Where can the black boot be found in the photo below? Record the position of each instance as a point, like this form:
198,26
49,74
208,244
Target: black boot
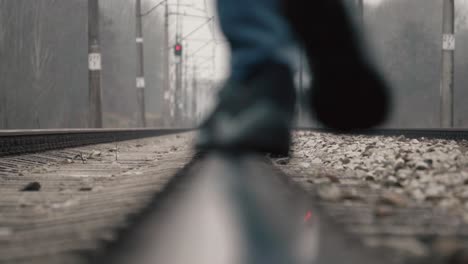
348,93
253,116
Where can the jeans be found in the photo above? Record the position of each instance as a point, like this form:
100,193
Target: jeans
258,34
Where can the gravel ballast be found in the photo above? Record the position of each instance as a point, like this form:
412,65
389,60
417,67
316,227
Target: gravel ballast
410,195
62,206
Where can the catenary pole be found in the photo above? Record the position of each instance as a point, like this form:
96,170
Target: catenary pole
194,102
178,70
448,65
301,86
166,50
95,66
140,77
178,87
187,86
360,5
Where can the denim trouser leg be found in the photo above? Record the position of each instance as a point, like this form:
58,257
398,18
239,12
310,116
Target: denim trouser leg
257,33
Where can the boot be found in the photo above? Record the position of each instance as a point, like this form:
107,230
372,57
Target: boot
252,116
347,93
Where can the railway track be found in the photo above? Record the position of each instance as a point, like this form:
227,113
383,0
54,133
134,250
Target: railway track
87,193
235,209
15,142
429,133
60,204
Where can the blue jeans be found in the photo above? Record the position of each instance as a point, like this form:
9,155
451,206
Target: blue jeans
257,33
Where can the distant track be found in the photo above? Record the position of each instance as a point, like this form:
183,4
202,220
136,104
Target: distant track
451,134
14,142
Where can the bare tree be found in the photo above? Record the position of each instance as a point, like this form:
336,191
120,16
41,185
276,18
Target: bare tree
41,57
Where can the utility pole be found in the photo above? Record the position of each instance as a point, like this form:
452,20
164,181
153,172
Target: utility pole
193,106
301,103
178,86
178,69
140,78
360,6
95,66
166,50
185,94
448,65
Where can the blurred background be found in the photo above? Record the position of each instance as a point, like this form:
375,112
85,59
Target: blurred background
45,78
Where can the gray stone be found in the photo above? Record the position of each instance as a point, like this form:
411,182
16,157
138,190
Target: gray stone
330,193
421,165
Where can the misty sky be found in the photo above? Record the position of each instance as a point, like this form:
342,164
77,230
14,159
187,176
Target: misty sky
373,1
201,45
219,70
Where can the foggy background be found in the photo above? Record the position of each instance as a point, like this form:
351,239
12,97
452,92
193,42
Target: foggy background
44,61
406,39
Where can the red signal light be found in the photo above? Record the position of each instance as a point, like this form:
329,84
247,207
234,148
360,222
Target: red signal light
178,49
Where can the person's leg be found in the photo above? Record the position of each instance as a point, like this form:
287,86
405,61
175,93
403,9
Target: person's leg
257,32
256,105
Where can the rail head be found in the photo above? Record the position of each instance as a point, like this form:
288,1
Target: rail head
52,132
236,209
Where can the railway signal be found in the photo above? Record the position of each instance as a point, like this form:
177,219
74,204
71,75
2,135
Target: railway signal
178,49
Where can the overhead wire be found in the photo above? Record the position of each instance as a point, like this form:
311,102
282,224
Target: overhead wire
153,8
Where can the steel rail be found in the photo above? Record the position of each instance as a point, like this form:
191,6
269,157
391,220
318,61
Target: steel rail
234,209
16,142
430,133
